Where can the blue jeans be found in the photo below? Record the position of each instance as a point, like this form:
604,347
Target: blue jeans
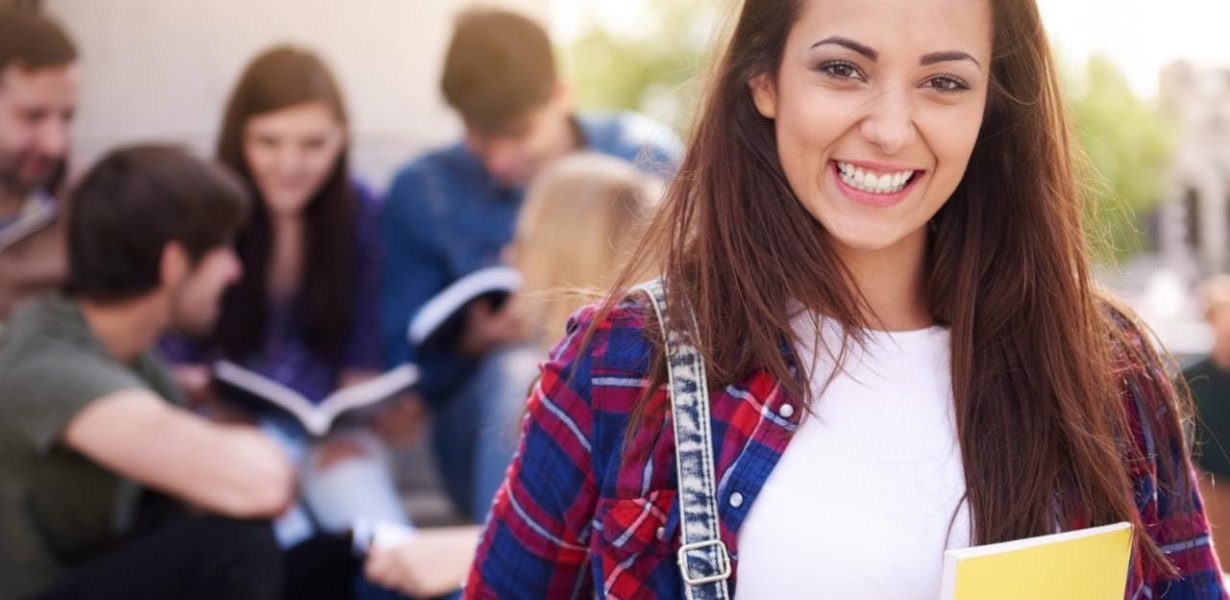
477,430
331,499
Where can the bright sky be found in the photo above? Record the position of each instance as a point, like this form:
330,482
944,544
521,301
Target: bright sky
1140,36
630,18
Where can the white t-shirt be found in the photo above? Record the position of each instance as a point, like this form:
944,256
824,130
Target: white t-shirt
860,504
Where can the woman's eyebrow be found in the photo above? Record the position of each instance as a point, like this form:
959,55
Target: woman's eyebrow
945,56
866,51
927,59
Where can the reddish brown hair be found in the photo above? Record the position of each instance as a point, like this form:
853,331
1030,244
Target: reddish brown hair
1036,353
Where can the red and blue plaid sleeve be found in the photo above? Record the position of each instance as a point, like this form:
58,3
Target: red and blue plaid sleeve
1167,496
535,543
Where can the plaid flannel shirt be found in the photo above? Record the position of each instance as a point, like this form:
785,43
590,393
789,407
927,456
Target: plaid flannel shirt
588,511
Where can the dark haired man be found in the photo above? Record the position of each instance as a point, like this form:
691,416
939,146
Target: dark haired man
90,420
451,211
38,95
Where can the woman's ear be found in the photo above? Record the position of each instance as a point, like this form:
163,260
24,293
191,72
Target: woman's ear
764,95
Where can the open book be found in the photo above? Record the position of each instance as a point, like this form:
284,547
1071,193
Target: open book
440,321
238,383
1086,564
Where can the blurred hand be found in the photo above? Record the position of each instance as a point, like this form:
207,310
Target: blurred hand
434,563
488,328
401,421
193,379
197,383
337,449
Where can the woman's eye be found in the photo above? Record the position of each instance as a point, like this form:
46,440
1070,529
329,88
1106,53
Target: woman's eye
840,70
945,83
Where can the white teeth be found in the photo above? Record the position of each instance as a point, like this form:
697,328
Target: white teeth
872,182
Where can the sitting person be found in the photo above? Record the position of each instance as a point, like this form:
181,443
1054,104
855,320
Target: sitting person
89,417
581,220
450,212
38,97
305,314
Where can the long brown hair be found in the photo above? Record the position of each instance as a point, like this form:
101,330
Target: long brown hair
1043,431
279,78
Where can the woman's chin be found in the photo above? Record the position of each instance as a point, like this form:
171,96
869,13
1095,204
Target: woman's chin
866,238
286,204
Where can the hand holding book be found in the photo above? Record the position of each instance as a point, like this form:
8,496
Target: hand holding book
488,326
469,316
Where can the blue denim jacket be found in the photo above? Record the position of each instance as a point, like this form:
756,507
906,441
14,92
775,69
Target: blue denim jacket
445,217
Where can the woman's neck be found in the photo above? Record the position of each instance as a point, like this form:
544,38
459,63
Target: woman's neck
286,256
891,281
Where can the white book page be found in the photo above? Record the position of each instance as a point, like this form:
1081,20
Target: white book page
275,392
453,297
317,419
368,392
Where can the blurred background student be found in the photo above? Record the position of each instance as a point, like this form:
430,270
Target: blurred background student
305,312
109,488
1209,381
581,219
451,210
39,76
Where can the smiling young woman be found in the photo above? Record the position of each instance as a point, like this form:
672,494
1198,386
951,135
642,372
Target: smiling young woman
875,245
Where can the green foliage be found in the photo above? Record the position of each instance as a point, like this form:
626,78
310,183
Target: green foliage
1128,145
658,72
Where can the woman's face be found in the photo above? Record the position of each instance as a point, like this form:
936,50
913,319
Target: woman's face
877,106
290,152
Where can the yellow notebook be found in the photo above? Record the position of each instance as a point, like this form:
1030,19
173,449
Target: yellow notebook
1086,564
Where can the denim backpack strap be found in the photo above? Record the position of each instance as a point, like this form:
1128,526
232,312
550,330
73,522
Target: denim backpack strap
703,559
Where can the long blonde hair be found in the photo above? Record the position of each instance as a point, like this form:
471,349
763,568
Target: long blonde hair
582,219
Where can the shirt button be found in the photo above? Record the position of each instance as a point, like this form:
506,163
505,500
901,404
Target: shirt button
786,410
661,533
736,499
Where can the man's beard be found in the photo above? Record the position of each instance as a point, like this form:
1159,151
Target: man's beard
13,182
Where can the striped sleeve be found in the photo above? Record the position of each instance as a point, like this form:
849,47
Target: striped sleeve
535,542
1167,494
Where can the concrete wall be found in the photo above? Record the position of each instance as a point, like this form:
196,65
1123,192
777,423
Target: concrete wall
161,69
